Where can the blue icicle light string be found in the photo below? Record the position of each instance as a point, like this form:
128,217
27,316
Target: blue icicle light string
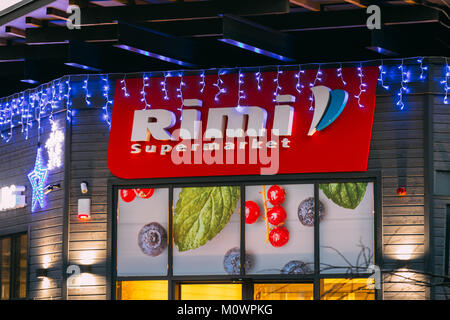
22,109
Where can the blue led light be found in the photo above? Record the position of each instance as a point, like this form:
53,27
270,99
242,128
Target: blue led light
87,94
382,72
339,74
154,55
312,84
256,50
445,81
299,86
218,85
241,94
180,95
145,84
164,86
258,79
202,81
37,178
278,88
30,81
81,66
422,68
123,82
362,86
105,90
403,89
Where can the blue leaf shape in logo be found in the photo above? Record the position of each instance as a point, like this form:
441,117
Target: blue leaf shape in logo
337,104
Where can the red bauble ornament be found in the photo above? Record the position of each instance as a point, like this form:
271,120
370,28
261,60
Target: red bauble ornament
127,195
145,193
252,212
401,191
276,195
276,215
279,236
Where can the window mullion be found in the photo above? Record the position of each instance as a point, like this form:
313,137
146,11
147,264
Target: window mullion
316,243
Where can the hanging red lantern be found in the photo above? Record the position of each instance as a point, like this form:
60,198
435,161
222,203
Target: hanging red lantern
127,195
145,193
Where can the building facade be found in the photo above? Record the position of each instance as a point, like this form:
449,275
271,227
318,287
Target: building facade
104,218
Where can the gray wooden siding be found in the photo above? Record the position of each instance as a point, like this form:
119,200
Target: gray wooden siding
88,240
45,226
397,151
441,154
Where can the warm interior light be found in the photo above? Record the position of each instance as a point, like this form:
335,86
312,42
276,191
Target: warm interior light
346,289
142,290
83,216
211,291
283,291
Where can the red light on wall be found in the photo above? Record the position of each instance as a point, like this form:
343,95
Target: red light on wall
401,191
83,216
84,209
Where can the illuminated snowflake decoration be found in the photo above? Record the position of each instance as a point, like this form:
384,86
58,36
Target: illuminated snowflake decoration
37,179
54,147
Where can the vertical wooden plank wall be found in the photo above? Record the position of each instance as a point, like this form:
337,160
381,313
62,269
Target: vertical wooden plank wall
397,150
88,240
17,159
441,162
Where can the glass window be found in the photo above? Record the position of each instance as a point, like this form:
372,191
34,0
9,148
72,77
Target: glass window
346,227
142,234
20,266
5,259
206,237
283,291
142,290
279,237
211,291
347,289
13,267
206,230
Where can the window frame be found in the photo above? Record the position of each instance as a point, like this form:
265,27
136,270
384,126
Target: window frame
15,257
114,184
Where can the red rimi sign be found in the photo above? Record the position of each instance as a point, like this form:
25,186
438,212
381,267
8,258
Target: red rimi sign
242,124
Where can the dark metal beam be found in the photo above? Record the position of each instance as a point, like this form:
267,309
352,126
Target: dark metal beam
15,31
157,45
57,13
304,21
391,15
257,38
308,4
184,10
84,56
62,35
38,23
